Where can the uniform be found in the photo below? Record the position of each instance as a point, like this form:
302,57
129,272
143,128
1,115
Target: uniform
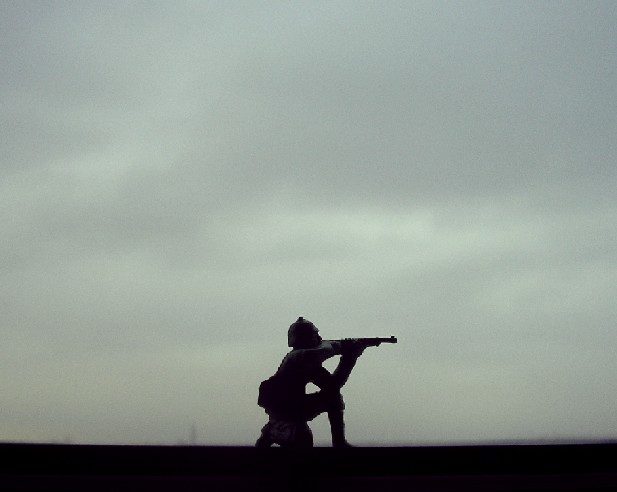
290,407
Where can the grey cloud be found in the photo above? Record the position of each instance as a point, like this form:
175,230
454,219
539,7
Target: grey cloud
179,182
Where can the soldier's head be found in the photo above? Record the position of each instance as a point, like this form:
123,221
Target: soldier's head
303,334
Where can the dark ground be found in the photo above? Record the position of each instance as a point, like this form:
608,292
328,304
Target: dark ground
43,467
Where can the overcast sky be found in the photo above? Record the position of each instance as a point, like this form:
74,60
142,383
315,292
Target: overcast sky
179,181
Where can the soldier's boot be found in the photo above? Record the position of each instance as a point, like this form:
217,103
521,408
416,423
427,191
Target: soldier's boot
292,434
263,442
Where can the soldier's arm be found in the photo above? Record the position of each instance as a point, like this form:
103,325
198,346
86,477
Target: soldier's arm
325,381
322,352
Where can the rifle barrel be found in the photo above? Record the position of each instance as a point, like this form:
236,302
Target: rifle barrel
376,340
391,339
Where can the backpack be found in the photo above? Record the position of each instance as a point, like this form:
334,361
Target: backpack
270,393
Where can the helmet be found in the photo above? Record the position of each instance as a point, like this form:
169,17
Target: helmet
299,331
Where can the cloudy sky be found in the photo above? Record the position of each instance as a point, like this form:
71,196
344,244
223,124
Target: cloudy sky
179,181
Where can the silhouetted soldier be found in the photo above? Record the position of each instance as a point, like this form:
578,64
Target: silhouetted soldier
284,398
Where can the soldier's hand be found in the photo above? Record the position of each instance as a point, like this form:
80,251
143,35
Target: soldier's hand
352,348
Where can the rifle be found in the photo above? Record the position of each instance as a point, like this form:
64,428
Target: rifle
367,342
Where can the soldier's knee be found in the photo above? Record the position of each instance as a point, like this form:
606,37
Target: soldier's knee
295,434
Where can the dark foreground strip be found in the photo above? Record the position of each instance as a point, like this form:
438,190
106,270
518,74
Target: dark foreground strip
32,467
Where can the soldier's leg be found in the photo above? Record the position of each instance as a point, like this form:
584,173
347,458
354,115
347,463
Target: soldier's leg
331,402
337,422
337,428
